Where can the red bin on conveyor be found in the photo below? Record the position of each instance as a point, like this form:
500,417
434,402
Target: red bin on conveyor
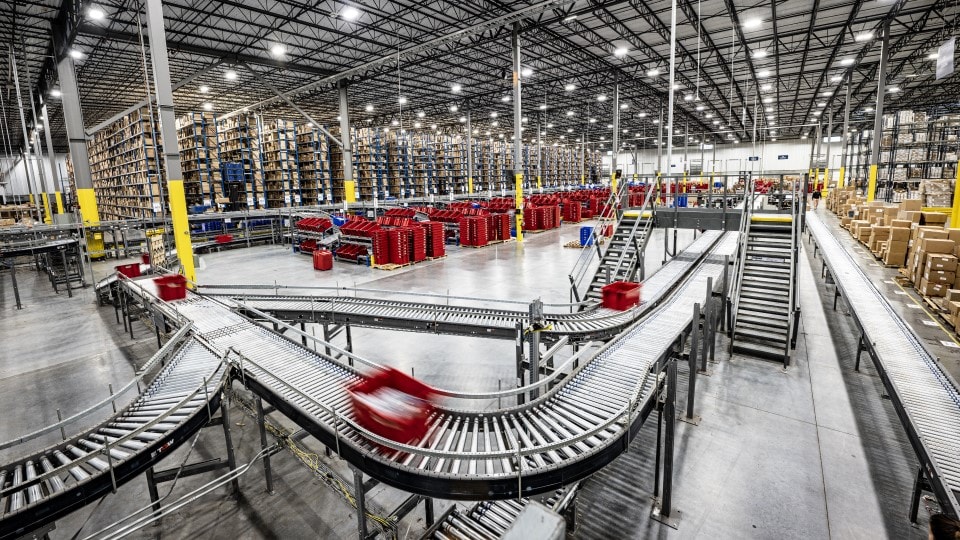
129,270
171,287
620,295
322,260
393,405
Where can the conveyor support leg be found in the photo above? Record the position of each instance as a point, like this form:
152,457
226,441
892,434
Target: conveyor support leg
267,471
231,456
360,497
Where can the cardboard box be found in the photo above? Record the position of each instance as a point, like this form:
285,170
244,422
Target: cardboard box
901,223
934,233
938,261
953,234
899,234
912,217
939,276
894,257
931,289
909,205
953,307
929,245
931,218
953,295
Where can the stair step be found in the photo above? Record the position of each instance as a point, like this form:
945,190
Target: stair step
748,316
779,334
761,306
759,350
771,340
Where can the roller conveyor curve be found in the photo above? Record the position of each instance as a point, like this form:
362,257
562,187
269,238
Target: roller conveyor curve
927,400
566,434
43,486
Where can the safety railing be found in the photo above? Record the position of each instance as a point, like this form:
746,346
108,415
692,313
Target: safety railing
608,218
744,231
792,314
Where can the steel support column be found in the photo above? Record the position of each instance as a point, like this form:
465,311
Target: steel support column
878,113
517,134
841,182
33,182
77,139
51,156
168,132
469,155
616,136
349,186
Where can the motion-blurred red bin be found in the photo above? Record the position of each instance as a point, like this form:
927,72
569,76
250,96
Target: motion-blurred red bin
620,295
393,405
171,287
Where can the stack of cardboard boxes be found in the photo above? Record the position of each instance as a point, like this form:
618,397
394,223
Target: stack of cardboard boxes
951,303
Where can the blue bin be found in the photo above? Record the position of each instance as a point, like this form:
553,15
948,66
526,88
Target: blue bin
586,236
681,201
339,221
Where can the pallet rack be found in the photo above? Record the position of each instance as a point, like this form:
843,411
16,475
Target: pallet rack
199,158
399,165
281,178
313,162
238,143
127,167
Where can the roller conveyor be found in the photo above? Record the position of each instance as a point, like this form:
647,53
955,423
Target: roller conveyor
926,398
595,323
44,486
567,433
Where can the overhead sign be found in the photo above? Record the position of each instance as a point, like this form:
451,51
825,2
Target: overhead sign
753,158
945,59
782,156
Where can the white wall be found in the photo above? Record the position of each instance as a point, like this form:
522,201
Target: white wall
729,158
14,181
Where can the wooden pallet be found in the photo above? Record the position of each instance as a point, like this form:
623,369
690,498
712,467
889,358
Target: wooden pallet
390,266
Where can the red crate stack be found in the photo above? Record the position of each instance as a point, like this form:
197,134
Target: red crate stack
465,239
502,226
399,246
479,231
435,238
381,250
418,243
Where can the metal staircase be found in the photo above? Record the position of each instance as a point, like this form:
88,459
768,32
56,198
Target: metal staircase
765,314
622,257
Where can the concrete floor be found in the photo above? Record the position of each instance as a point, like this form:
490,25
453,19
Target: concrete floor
810,452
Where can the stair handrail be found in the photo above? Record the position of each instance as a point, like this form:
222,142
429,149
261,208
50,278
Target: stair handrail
794,260
633,232
744,231
582,265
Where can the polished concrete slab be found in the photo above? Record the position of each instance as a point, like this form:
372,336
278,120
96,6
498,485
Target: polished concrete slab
811,452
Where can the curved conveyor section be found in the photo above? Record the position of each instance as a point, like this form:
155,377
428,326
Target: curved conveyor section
571,431
926,399
58,480
596,324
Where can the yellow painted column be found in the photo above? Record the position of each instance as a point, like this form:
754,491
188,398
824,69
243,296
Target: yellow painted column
582,179
613,181
181,228
470,186
518,205
955,214
872,183
59,197
31,199
350,191
87,200
841,180
539,184
47,216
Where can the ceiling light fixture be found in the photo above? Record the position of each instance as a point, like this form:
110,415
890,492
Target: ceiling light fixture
653,72
863,36
752,23
763,73
570,113
456,88
350,13
208,106
620,52
569,88
96,13
493,114
421,114
76,54
543,106
847,62
55,93
402,100
230,75
369,107
453,108
601,97
759,53
505,99
278,50
526,72
204,89
463,119
688,97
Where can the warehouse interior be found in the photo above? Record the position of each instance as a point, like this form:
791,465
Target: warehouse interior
426,269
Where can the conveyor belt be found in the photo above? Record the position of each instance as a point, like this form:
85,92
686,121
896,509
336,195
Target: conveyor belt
51,483
569,432
927,400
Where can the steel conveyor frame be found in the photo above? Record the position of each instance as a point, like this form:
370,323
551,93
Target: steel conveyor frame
929,405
